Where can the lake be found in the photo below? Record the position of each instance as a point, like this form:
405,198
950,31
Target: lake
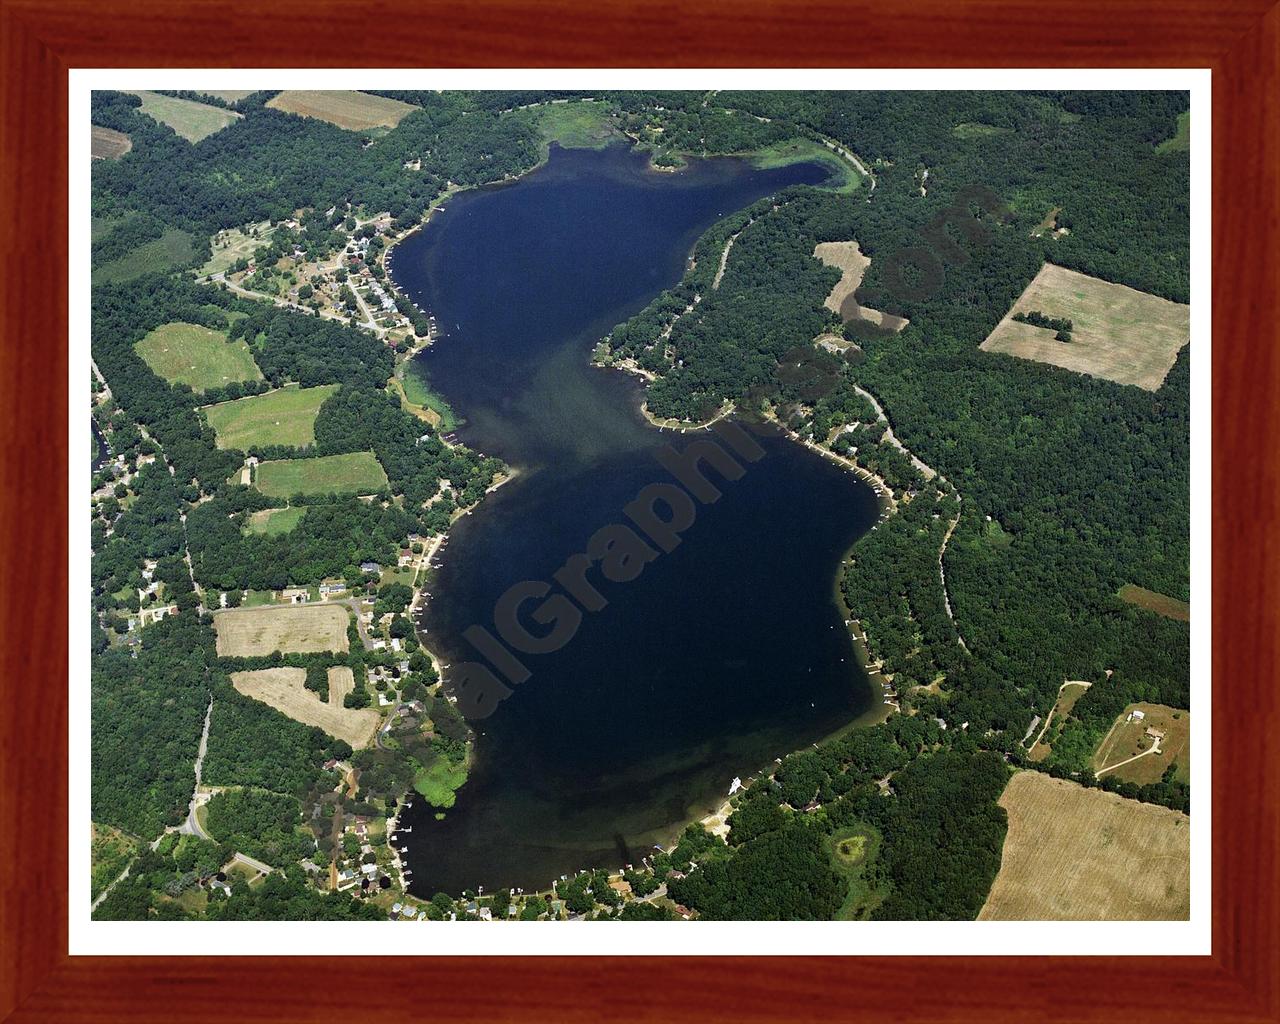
724,654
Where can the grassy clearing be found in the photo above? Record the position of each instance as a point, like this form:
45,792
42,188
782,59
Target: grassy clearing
100,227
582,125
111,851
289,629
196,356
440,782
419,393
355,111
274,521
1118,333
1181,140
193,121
852,850
109,144
1076,854
175,248
353,473
234,243
284,416
1128,739
1161,604
285,690
844,177
400,574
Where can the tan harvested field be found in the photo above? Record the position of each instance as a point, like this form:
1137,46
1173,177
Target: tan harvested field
847,257
1067,697
1126,739
1076,854
356,111
1161,604
290,629
342,681
285,690
109,144
1118,333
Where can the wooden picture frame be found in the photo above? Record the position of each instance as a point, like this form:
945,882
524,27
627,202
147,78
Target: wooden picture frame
1239,41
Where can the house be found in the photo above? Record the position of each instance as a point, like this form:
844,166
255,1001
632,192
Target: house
1136,715
294,595
485,914
370,567
1154,733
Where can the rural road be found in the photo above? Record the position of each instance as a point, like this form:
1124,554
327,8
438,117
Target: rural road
942,575
192,825
927,471
354,604
250,862
1069,682
1154,749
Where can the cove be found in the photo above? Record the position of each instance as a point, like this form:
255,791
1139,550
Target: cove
725,653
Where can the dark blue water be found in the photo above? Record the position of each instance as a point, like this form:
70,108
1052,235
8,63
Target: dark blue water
723,654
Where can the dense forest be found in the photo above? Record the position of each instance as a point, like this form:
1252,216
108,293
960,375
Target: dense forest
943,830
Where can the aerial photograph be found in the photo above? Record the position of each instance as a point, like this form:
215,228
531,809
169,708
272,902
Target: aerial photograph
699,505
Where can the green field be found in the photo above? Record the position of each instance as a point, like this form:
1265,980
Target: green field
175,248
581,125
1181,141
852,851
193,121
417,391
194,355
794,151
284,416
353,473
273,521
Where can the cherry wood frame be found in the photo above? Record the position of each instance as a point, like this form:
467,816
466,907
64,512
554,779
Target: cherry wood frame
40,39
